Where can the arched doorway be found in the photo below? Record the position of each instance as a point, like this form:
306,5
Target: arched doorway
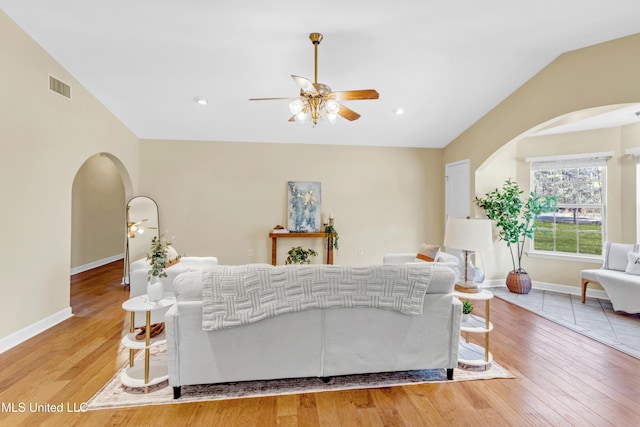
99,192
611,128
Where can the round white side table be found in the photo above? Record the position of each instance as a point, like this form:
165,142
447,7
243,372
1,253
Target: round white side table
152,372
470,354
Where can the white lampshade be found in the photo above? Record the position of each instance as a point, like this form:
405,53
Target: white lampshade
469,234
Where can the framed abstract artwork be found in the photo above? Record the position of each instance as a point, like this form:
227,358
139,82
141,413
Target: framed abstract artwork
303,213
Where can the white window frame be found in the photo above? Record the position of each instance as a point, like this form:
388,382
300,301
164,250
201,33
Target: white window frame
569,161
636,152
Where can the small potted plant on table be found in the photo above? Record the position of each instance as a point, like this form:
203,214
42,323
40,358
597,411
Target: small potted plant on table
297,255
467,308
158,258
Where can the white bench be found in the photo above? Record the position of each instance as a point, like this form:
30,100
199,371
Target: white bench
619,276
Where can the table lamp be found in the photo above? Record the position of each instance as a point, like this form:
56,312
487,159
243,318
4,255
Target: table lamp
469,235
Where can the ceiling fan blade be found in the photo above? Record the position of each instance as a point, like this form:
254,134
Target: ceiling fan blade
353,95
305,85
348,113
270,99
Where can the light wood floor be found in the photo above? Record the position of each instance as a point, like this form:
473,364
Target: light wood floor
562,378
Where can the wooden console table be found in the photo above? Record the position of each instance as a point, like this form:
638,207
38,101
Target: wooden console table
276,236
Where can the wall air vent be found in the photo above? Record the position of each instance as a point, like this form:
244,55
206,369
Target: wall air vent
59,87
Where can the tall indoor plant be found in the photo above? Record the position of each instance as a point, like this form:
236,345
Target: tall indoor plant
515,220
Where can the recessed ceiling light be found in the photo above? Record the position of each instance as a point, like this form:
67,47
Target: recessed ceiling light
201,100
398,111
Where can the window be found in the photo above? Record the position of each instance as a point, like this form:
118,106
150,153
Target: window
577,227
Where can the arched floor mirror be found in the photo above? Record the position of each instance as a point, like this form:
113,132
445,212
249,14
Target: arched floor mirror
142,226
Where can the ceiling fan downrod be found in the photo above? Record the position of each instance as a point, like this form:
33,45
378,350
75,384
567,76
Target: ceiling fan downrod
315,38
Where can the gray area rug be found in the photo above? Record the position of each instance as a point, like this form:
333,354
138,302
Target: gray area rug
595,319
115,395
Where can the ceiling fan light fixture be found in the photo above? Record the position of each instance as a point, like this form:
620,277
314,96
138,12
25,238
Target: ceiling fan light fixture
200,100
301,117
332,107
295,107
317,101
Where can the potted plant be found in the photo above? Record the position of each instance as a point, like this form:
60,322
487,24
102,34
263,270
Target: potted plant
331,231
297,255
515,220
158,258
467,308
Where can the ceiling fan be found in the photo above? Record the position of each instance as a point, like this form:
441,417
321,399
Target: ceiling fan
316,100
135,227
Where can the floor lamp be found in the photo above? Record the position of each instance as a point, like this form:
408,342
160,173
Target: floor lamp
469,235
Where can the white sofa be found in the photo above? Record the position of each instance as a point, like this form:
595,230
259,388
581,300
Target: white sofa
139,274
619,275
321,342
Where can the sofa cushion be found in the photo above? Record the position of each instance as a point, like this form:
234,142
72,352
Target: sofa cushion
428,253
633,263
188,286
615,255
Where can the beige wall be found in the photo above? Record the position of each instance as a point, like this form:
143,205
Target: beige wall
604,74
98,215
45,139
222,199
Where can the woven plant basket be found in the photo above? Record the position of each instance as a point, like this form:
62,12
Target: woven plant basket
519,282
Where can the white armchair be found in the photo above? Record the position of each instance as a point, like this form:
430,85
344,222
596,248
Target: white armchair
403,258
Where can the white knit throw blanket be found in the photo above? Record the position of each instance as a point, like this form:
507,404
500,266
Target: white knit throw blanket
240,295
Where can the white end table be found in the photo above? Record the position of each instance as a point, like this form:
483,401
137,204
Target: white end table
471,354
153,373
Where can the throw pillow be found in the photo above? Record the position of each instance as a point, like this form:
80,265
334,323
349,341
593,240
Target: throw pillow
633,264
615,255
428,253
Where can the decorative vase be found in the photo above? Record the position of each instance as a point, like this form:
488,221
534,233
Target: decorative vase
519,282
154,289
465,317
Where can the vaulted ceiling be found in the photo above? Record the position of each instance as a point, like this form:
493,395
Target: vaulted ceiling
445,63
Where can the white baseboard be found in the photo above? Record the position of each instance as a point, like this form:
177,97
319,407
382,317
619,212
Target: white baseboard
95,264
554,287
32,330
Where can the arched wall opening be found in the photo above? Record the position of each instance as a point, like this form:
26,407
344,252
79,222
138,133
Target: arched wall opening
508,161
600,75
99,193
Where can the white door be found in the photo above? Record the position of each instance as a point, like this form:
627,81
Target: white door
457,203
457,189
